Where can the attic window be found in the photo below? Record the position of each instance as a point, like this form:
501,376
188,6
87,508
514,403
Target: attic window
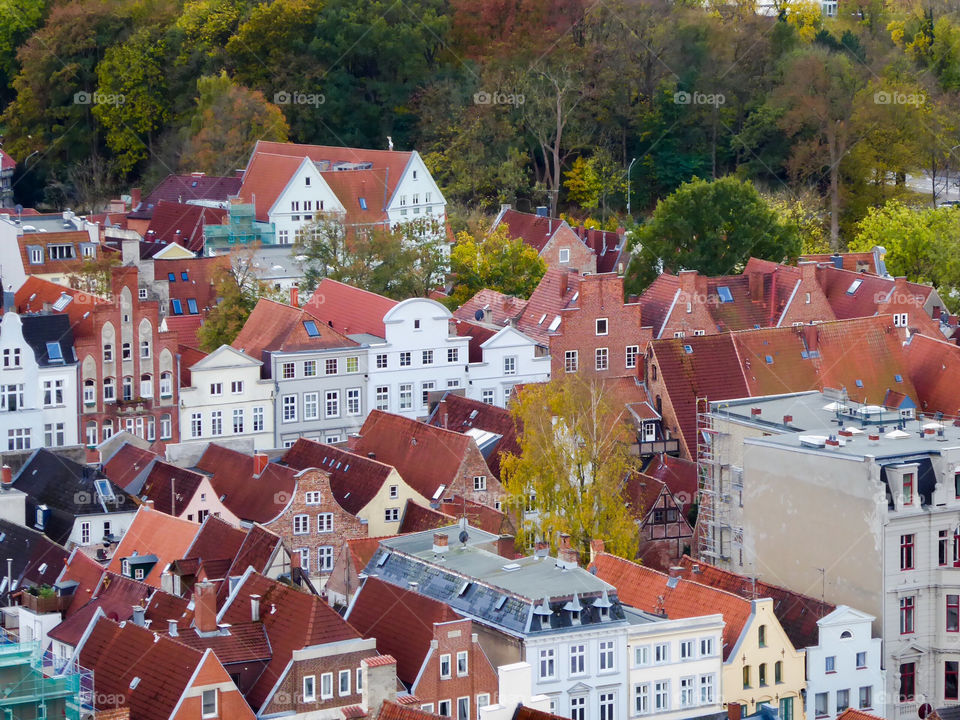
554,324
62,302
724,292
501,601
383,559
859,383
898,378
104,489
172,277
463,589
688,349
769,359
306,181
854,286
363,203
311,327
185,276
54,354
177,307
192,306
542,318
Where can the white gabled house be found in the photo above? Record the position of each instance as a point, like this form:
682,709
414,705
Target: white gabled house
508,358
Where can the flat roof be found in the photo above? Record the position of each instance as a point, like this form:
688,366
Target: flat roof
808,410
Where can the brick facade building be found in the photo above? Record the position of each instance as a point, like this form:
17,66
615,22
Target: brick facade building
129,369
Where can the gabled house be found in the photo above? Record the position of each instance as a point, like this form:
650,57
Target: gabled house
436,463
438,653
665,534
181,223
228,398
318,373
193,189
760,664
872,262
37,296
155,676
127,466
184,494
554,240
153,541
933,365
73,504
372,491
51,246
345,578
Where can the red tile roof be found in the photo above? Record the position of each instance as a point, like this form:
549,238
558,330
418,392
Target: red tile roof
458,413
242,642
185,327
279,327
425,456
863,301
170,487
115,595
528,713
393,711
852,714
216,539
478,335
417,518
798,614
164,607
647,590
402,622
250,497
154,532
189,356
362,550
349,310
857,262
182,224
934,366
657,299
119,653
292,620
38,295
641,492
201,273
534,230
86,572
498,308
126,463
351,185
355,479
608,246
555,292
265,178
479,515
64,237
679,475
6,162
183,188
256,552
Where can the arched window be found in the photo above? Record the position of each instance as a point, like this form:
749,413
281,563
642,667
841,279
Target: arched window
846,635
109,392
92,433
89,392
107,429
166,384
146,386
128,388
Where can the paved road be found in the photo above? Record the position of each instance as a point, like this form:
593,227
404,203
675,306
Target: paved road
947,190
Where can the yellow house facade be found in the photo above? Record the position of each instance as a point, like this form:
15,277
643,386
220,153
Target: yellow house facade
764,668
385,510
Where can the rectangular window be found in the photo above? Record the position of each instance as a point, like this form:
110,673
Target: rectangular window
343,682
309,368
906,615
353,401
661,653
301,524
632,352
208,704
866,697
686,649
289,408
288,370
603,357
548,668
830,664
216,389
687,690
383,398
453,355
445,672
762,675
352,364
564,255
236,387
820,704
325,522
641,655
607,705
311,406
570,361
641,699
578,659
606,655
310,688
425,389
746,677
706,647
216,422
906,552
601,326
325,558
54,434
85,533
953,613
330,366
707,689
406,396
907,682
908,488
391,515
510,365
661,696
487,396
479,482
326,686
258,419
427,357
950,687
381,361
332,403
786,708
237,421
405,359
843,700
463,663
443,708
861,660
196,425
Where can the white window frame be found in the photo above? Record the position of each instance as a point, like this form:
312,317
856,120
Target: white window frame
445,667
311,681
326,686
216,703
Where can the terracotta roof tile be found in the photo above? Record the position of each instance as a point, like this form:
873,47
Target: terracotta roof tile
498,308
242,642
257,551
425,456
534,230
362,550
250,497
292,620
393,711
183,188
349,310
857,262
458,413
798,614
170,487
38,295
182,224
657,299
648,590
154,533
66,237
417,518
275,326
528,713
607,245
852,714
679,475
402,622
478,335
6,162
555,292
126,463
351,185
266,176
355,479
934,366
216,539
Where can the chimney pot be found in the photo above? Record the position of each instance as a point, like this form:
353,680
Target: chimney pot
172,628
148,503
205,606
7,475
756,411
139,613
295,296
255,608
564,541
441,543
787,419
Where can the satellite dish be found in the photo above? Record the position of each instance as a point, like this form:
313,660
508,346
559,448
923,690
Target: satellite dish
464,536
478,315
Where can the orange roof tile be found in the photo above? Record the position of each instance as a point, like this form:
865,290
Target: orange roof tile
554,293
250,497
154,533
266,176
126,464
279,327
348,309
934,366
392,711
38,295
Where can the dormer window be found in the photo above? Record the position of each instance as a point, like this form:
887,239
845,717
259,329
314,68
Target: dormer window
907,488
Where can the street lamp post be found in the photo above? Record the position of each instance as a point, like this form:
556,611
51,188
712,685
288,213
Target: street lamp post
629,168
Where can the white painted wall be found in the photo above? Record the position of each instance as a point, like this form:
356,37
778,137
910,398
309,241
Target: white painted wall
491,374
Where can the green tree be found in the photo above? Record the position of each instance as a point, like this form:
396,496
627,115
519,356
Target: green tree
238,290
574,458
713,227
497,262
18,18
228,121
94,274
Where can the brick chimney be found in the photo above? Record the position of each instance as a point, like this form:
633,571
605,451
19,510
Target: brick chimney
568,559
755,281
260,461
254,608
564,542
441,543
134,198
811,335
443,414
564,282
808,270
7,477
506,547
205,607
379,675
295,296
692,285
542,549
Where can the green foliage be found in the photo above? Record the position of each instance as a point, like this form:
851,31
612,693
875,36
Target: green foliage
497,262
18,18
713,227
238,290
574,459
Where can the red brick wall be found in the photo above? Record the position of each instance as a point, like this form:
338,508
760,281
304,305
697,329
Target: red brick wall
451,638
345,525
693,294
289,695
474,465
601,296
89,347
582,259
800,310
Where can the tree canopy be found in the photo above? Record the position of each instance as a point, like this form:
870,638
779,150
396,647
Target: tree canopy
497,262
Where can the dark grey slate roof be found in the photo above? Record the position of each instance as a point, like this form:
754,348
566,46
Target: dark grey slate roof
38,330
37,560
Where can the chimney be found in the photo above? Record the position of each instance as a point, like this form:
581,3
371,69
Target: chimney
596,547
936,312
755,411
787,419
254,608
676,571
205,607
542,549
564,542
755,281
7,477
564,282
832,442
260,461
294,562
568,559
810,337
295,296
874,438
440,543
172,628
837,260
134,198
379,675
733,711
808,270
504,207
506,547
149,504
139,613
444,414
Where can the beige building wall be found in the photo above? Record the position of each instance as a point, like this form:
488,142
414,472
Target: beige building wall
393,494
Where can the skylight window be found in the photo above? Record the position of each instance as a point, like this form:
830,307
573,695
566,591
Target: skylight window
688,349
542,318
859,383
311,327
854,286
898,378
62,302
724,293
769,359
363,203
554,324
104,489
172,277
54,354
177,307
192,306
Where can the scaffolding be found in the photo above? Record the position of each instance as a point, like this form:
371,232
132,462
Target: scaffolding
34,683
712,524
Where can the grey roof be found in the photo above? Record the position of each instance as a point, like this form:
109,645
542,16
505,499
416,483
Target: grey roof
808,410
492,589
44,330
